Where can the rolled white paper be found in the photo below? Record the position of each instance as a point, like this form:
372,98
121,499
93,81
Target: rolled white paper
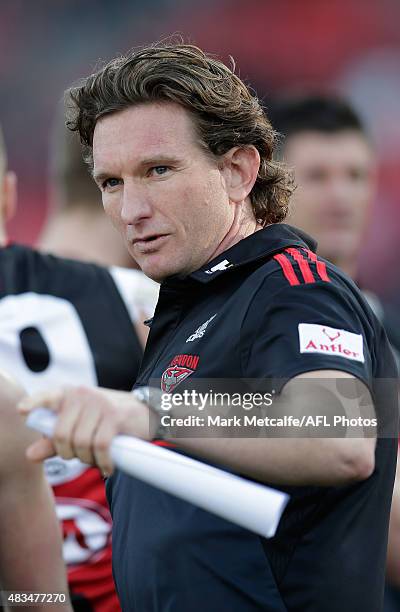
253,506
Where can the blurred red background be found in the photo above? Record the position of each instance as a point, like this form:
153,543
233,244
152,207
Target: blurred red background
348,46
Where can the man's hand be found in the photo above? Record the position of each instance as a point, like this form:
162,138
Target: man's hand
88,419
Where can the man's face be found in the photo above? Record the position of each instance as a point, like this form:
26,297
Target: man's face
165,195
335,176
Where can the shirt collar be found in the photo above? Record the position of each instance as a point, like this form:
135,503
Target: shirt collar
260,245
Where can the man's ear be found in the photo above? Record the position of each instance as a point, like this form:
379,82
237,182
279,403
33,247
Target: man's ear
240,167
9,196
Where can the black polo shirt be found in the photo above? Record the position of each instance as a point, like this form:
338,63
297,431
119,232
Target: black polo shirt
265,308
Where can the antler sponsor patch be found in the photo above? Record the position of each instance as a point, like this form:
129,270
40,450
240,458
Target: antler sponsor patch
330,341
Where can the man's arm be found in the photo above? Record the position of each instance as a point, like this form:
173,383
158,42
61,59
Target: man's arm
30,551
88,419
302,456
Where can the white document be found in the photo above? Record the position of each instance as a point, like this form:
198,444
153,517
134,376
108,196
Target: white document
253,506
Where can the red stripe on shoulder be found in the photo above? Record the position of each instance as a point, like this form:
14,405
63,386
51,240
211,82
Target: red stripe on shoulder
287,269
303,265
321,267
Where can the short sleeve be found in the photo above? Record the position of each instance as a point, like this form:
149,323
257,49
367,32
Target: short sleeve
139,293
315,326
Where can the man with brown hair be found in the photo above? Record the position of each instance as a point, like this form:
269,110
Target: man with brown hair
182,152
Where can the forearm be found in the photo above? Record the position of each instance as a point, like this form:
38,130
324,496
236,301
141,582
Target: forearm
287,461
301,459
292,454
31,550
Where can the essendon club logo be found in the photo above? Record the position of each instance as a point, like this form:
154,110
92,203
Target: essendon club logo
180,367
315,338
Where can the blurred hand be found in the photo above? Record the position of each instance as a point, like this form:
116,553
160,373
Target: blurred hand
87,421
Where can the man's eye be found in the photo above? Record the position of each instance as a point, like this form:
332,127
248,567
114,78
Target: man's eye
357,174
110,183
159,170
316,175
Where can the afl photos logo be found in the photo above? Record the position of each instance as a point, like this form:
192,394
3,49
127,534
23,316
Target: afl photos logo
180,367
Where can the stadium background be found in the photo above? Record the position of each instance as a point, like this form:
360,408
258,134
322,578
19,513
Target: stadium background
281,46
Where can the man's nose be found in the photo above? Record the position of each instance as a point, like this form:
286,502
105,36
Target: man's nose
341,193
135,204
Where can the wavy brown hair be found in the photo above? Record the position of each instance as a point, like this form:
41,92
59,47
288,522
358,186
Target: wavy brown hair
226,114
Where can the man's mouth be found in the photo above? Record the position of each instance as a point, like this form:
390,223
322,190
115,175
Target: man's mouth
149,243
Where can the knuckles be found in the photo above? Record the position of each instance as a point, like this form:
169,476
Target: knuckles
102,444
82,437
81,442
60,436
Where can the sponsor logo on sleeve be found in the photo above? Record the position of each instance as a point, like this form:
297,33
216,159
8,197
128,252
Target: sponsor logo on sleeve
331,341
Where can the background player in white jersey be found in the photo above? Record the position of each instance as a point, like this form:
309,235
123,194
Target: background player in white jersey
26,503
67,322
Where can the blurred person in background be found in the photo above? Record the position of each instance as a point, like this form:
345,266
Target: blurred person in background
76,225
329,149
67,322
336,174
26,502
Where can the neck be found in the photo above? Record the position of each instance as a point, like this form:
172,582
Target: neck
3,236
243,224
84,235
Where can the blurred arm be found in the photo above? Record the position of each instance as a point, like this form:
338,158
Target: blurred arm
30,551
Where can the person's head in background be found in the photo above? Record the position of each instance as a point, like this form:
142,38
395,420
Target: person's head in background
76,226
328,147
8,191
